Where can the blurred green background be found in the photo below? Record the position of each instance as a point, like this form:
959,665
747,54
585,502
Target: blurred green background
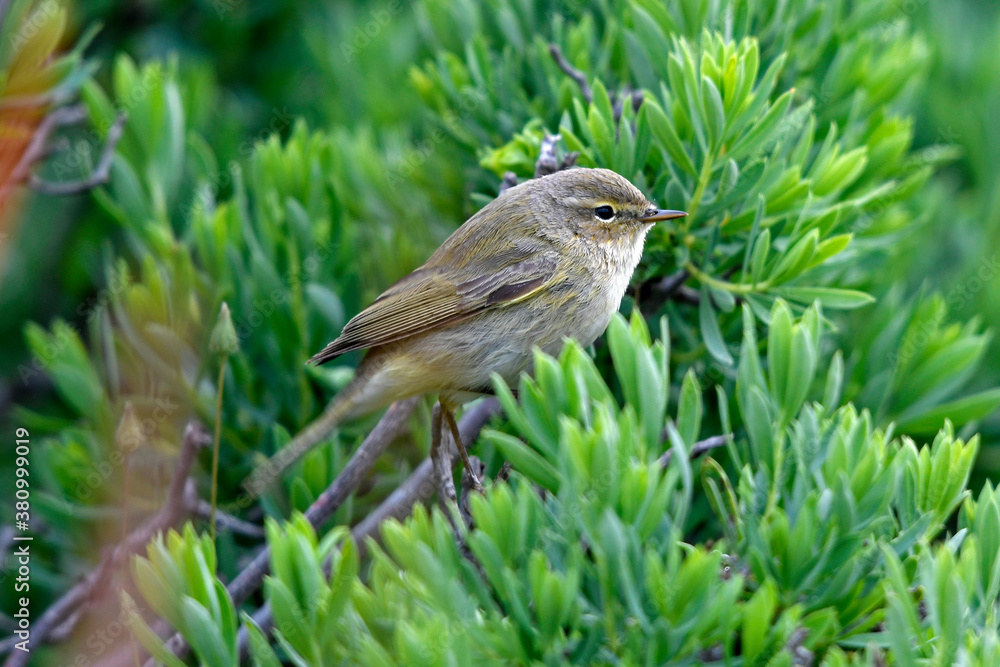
329,114
252,69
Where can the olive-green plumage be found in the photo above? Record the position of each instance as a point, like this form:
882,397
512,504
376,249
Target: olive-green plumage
546,260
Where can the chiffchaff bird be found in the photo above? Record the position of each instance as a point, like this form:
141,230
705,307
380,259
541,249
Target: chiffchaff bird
546,260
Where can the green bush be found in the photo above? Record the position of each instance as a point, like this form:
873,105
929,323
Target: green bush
836,526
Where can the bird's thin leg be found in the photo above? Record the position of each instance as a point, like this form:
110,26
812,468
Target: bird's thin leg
449,417
441,459
468,486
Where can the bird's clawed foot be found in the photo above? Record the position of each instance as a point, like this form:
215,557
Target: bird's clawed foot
448,414
471,476
470,485
441,458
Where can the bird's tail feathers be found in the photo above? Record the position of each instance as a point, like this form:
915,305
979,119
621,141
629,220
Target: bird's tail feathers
339,409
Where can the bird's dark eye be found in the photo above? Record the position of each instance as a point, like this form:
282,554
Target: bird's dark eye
604,212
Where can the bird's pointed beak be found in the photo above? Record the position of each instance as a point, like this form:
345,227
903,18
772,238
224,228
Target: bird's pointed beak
658,214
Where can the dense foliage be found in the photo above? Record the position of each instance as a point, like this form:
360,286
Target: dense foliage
825,306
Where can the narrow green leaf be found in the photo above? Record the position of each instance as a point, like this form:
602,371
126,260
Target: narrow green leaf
761,251
758,136
666,136
149,639
710,330
801,367
831,297
757,617
205,637
289,617
796,259
716,116
689,409
779,350
261,653
623,357
830,247
730,175
525,460
960,411
834,382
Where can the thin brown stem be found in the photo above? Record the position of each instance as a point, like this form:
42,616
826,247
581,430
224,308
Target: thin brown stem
441,454
215,444
547,162
99,176
36,148
252,576
181,498
419,487
697,449
579,77
229,522
449,418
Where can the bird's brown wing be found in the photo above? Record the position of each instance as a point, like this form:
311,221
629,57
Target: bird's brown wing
429,299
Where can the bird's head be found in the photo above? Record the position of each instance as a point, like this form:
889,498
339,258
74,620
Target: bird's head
594,204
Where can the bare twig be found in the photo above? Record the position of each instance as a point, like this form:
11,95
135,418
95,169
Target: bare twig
616,112
654,293
229,522
441,454
37,150
802,657
62,632
633,96
687,294
457,514
100,174
637,99
572,72
419,487
388,428
509,181
51,98
252,576
568,160
468,488
36,147
697,449
548,162
181,499
673,282
4,6
503,474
